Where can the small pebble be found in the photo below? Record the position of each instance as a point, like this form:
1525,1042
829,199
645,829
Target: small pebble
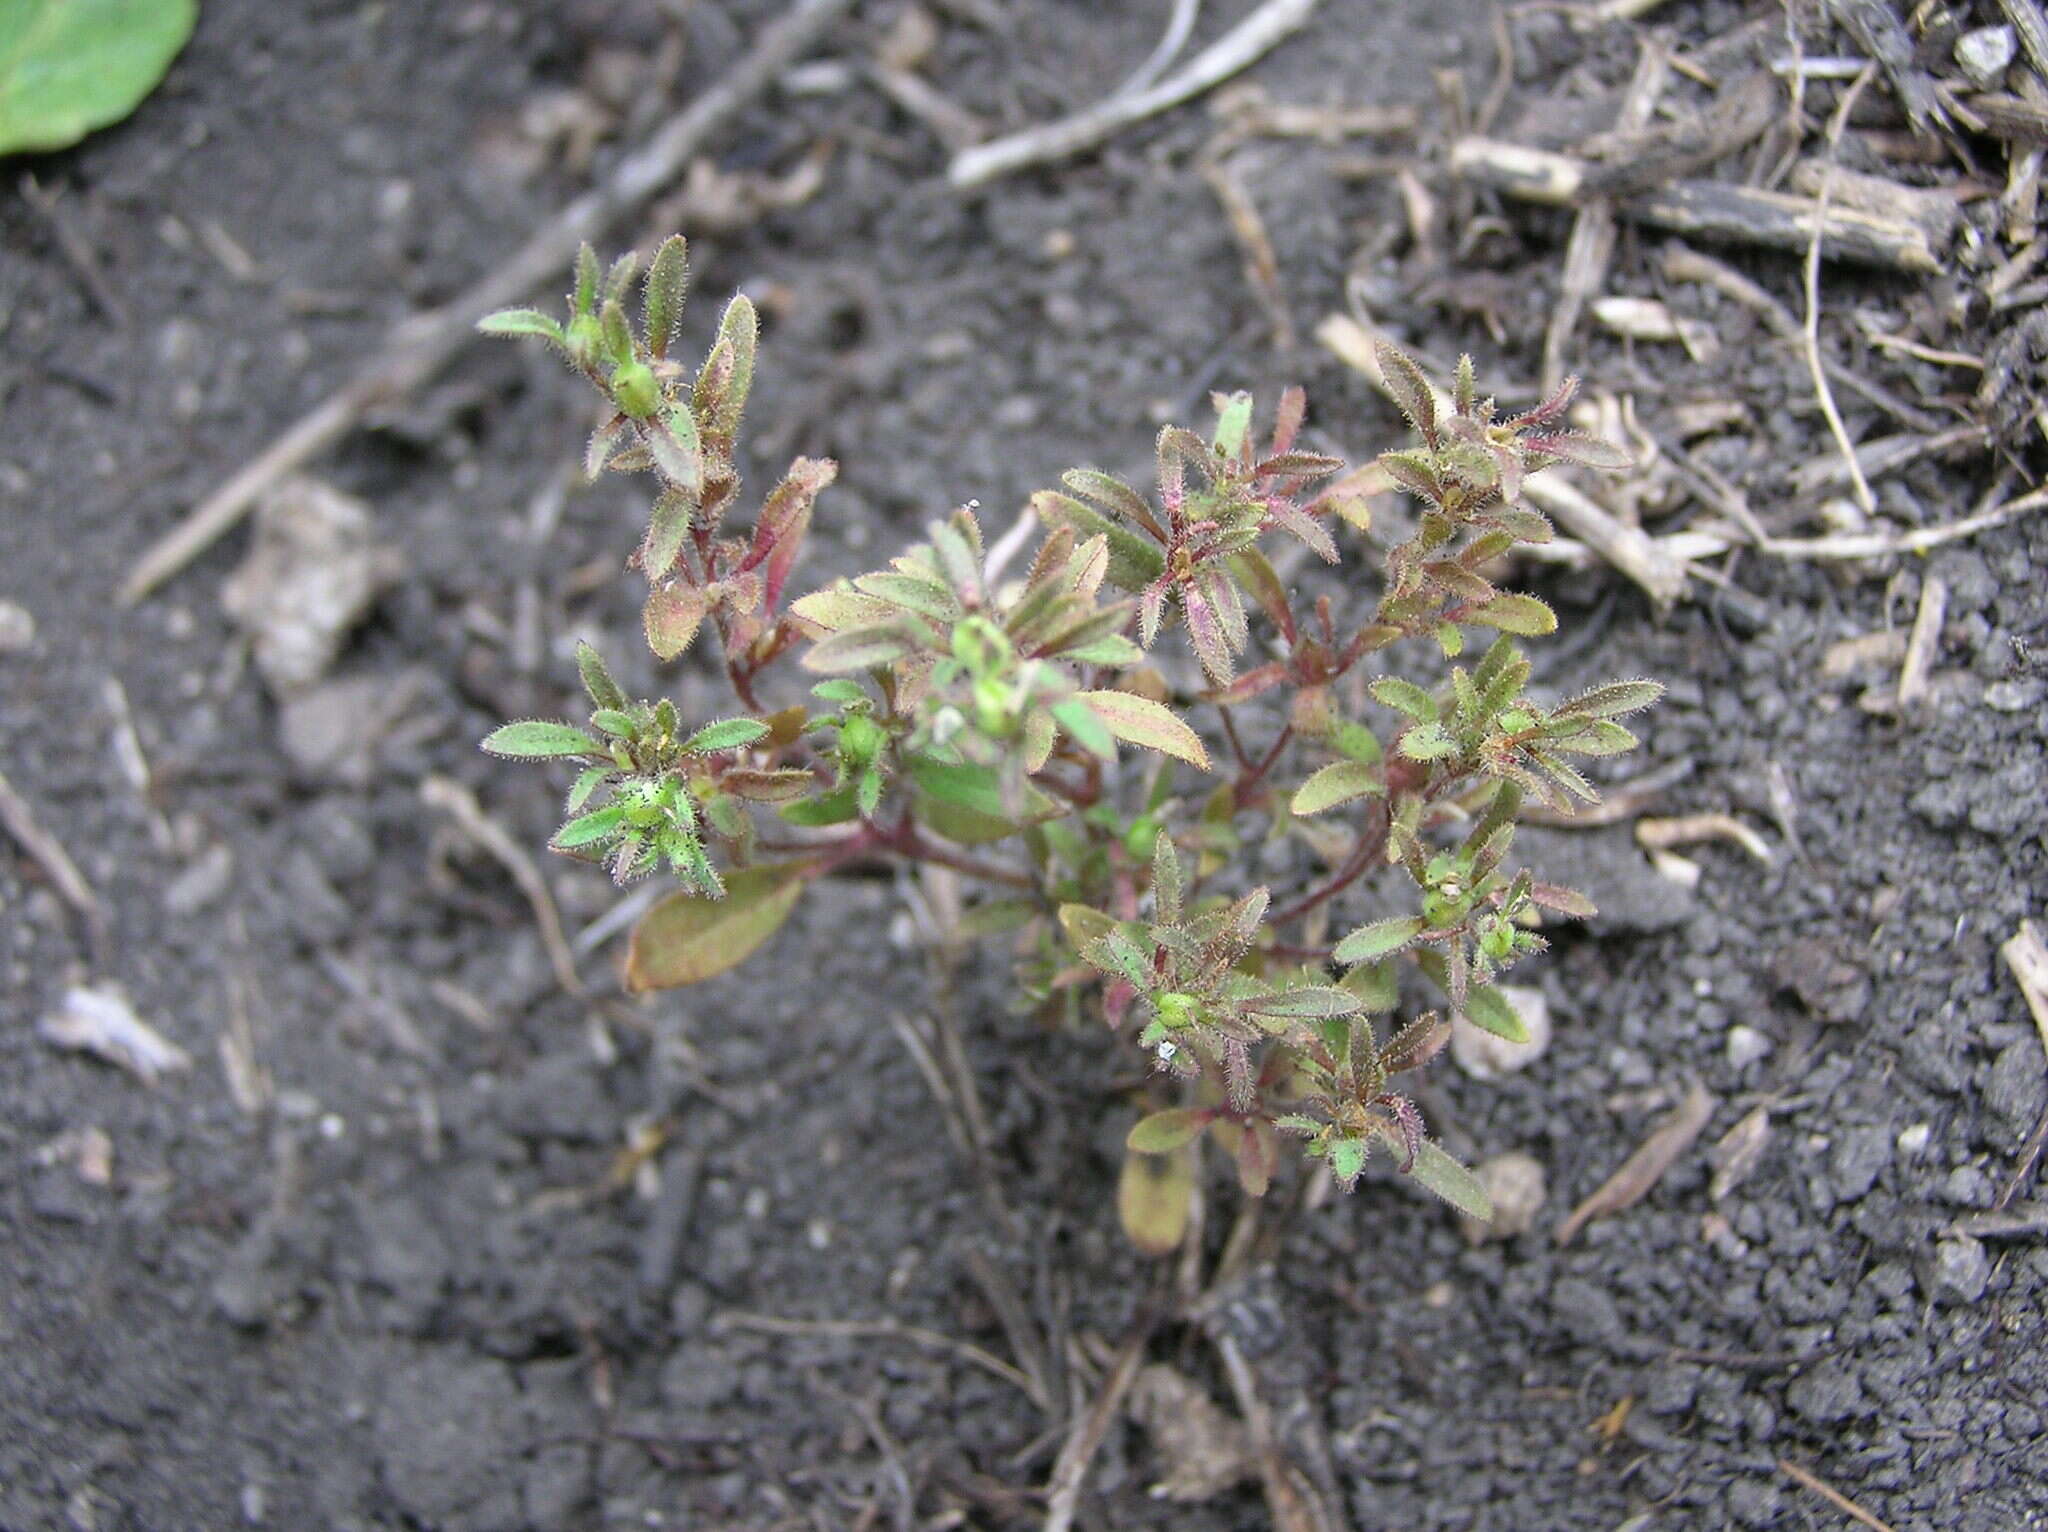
1913,1140
1516,1185
1985,54
1746,1046
17,628
1961,1270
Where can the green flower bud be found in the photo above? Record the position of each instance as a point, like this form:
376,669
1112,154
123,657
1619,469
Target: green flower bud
635,391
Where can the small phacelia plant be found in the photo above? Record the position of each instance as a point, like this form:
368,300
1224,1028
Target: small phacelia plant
987,721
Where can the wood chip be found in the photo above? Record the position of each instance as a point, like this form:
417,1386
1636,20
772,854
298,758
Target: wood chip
1738,1152
1925,643
1641,1171
2027,956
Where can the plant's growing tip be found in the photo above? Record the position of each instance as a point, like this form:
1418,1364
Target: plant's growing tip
980,721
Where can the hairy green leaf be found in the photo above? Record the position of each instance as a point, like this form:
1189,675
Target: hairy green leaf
1379,939
1427,742
522,322
1513,612
1612,700
725,734
1451,1181
858,649
1309,1002
597,679
1405,697
1339,782
1491,1011
588,829
536,739
1152,725
668,280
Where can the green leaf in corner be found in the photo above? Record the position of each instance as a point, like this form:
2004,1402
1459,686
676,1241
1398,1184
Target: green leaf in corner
70,66
687,938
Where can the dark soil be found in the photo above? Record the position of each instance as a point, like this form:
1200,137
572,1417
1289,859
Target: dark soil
398,1284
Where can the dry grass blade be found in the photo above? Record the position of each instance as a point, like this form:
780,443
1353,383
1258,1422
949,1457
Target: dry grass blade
1084,1440
1236,50
1642,1170
1822,393
1833,1496
49,854
1925,643
884,1329
1291,1500
460,804
422,345
1686,829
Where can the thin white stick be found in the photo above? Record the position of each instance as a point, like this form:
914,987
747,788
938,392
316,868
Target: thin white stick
1180,26
1238,48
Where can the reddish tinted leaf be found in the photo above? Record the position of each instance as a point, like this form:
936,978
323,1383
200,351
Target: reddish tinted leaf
687,938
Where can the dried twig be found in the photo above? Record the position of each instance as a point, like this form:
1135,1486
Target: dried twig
1925,643
1745,214
49,854
1070,1468
460,804
1293,1502
1180,26
1822,392
1831,1495
75,248
1261,263
1236,50
2027,956
1642,1170
1872,545
1663,834
424,344
885,1329
2032,26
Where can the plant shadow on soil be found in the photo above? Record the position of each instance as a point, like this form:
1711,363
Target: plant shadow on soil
401,1292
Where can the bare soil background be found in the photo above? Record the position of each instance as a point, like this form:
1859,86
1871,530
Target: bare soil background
367,1264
